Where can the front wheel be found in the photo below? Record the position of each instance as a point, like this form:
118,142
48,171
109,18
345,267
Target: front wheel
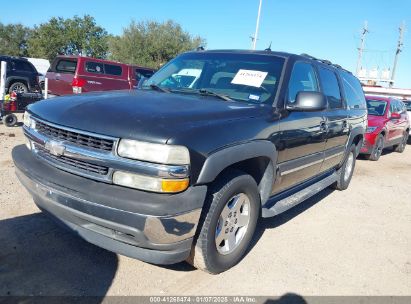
377,150
228,223
347,169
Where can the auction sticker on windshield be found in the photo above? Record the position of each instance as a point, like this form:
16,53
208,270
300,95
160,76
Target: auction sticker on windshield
249,78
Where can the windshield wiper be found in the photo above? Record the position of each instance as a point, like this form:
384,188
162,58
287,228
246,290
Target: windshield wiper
158,88
211,93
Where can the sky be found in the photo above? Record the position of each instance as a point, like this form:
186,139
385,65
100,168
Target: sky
322,28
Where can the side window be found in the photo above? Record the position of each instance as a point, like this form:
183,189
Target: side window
354,93
94,67
143,73
66,66
21,66
330,88
302,79
393,108
112,69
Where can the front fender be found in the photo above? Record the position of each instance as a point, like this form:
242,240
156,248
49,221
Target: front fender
226,157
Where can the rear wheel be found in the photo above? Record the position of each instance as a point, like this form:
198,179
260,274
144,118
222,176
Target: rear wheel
228,223
18,87
10,120
378,147
401,147
347,169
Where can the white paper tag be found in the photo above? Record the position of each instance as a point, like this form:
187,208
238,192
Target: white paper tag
254,97
249,78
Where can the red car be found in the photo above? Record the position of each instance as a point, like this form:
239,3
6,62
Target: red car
388,125
76,74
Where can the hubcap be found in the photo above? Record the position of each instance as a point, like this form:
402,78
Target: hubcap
232,224
378,150
18,89
349,166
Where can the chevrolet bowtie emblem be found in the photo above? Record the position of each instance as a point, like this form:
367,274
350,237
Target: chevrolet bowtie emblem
54,147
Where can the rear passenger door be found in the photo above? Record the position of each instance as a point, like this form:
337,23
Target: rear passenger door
302,134
335,118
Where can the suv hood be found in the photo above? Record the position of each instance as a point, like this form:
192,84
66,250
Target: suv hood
143,115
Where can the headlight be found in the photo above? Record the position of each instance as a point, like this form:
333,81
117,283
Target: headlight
156,153
371,129
148,183
28,121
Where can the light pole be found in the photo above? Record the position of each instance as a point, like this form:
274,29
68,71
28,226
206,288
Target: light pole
257,25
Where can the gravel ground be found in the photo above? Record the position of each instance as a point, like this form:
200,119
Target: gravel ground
355,242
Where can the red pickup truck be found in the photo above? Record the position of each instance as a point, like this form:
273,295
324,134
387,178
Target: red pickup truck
77,74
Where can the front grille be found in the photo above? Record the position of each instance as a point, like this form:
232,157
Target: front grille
74,137
70,162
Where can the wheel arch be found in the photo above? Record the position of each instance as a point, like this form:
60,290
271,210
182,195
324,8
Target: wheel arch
14,79
256,158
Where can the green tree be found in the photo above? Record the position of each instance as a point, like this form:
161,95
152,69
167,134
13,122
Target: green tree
151,43
13,39
75,36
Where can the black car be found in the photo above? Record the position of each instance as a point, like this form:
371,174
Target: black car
183,168
21,75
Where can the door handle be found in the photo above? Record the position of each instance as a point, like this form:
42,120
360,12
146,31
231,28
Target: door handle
345,126
324,126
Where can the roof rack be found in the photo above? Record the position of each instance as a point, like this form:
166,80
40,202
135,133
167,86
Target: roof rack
325,62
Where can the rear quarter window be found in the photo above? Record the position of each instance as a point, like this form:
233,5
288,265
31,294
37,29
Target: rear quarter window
354,93
65,66
94,67
111,69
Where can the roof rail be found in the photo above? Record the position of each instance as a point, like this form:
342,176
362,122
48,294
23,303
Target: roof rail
325,62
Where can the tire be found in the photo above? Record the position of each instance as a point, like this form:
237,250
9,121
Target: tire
10,120
377,149
347,169
18,87
220,222
401,147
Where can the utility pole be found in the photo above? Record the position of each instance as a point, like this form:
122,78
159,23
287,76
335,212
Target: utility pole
254,39
362,45
399,50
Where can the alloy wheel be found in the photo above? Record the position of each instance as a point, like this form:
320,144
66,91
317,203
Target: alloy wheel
232,224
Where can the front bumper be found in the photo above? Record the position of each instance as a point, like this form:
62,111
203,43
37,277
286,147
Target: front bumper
155,228
368,143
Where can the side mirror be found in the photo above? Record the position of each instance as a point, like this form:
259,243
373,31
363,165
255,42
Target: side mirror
141,82
308,101
395,116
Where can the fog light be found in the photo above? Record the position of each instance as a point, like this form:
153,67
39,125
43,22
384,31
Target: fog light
149,183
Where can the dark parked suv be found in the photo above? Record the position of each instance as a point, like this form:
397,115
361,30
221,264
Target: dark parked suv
184,167
21,75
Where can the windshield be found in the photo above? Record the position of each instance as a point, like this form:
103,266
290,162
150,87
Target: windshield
376,107
408,105
242,77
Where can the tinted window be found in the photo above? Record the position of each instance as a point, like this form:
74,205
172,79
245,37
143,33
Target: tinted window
251,78
112,69
408,105
143,73
302,79
376,107
353,91
22,66
66,66
94,67
330,88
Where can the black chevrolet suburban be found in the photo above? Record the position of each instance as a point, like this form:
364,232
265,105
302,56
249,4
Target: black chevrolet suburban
184,167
